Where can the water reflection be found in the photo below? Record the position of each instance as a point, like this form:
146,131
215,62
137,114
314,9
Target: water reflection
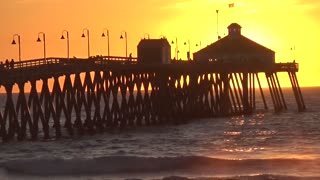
246,134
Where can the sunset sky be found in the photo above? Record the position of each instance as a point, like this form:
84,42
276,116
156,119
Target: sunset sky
278,25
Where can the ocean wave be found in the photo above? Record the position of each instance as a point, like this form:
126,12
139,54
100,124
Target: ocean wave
252,177
185,164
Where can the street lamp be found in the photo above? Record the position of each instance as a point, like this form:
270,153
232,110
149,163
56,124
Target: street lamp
126,38
68,48
108,39
176,51
148,36
14,42
199,45
188,53
44,44
83,36
162,37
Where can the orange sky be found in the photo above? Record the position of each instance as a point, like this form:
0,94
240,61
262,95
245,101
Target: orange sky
278,25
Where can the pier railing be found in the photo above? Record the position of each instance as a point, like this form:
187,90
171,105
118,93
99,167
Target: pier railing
293,67
57,60
105,60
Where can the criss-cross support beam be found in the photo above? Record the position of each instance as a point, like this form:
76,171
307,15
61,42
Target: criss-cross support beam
79,101
107,116
297,91
58,98
115,107
22,107
261,92
156,108
124,106
205,85
217,93
37,112
232,93
69,96
225,98
99,90
139,99
88,98
131,101
252,91
164,97
3,131
146,99
191,105
272,94
276,93
237,92
214,95
10,115
245,99
280,91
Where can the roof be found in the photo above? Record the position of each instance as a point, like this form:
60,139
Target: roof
234,25
239,44
153,43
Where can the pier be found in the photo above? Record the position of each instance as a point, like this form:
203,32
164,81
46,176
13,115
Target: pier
86,96
92,95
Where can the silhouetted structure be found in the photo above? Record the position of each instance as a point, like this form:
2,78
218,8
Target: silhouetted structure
152,51
236,48
104,92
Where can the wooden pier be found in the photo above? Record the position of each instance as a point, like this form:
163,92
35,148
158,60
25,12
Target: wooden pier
91,95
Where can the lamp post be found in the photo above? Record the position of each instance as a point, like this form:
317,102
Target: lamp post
62,37
148,36
126,39
14,42
108,39
188,53
176,50
199,45
162,37
44,44
83,36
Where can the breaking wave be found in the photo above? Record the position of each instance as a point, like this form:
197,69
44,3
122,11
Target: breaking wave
193,165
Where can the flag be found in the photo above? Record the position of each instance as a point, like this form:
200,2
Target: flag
231,5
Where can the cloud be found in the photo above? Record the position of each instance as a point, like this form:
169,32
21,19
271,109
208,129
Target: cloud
275,6
27,1
36,1
185,4
308,4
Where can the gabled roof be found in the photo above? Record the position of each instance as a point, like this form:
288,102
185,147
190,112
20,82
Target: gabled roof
154,43
230,45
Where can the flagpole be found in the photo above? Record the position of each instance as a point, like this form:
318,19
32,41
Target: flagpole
231,14
217,23
294,52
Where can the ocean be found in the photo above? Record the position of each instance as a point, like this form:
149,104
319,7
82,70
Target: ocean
264,145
